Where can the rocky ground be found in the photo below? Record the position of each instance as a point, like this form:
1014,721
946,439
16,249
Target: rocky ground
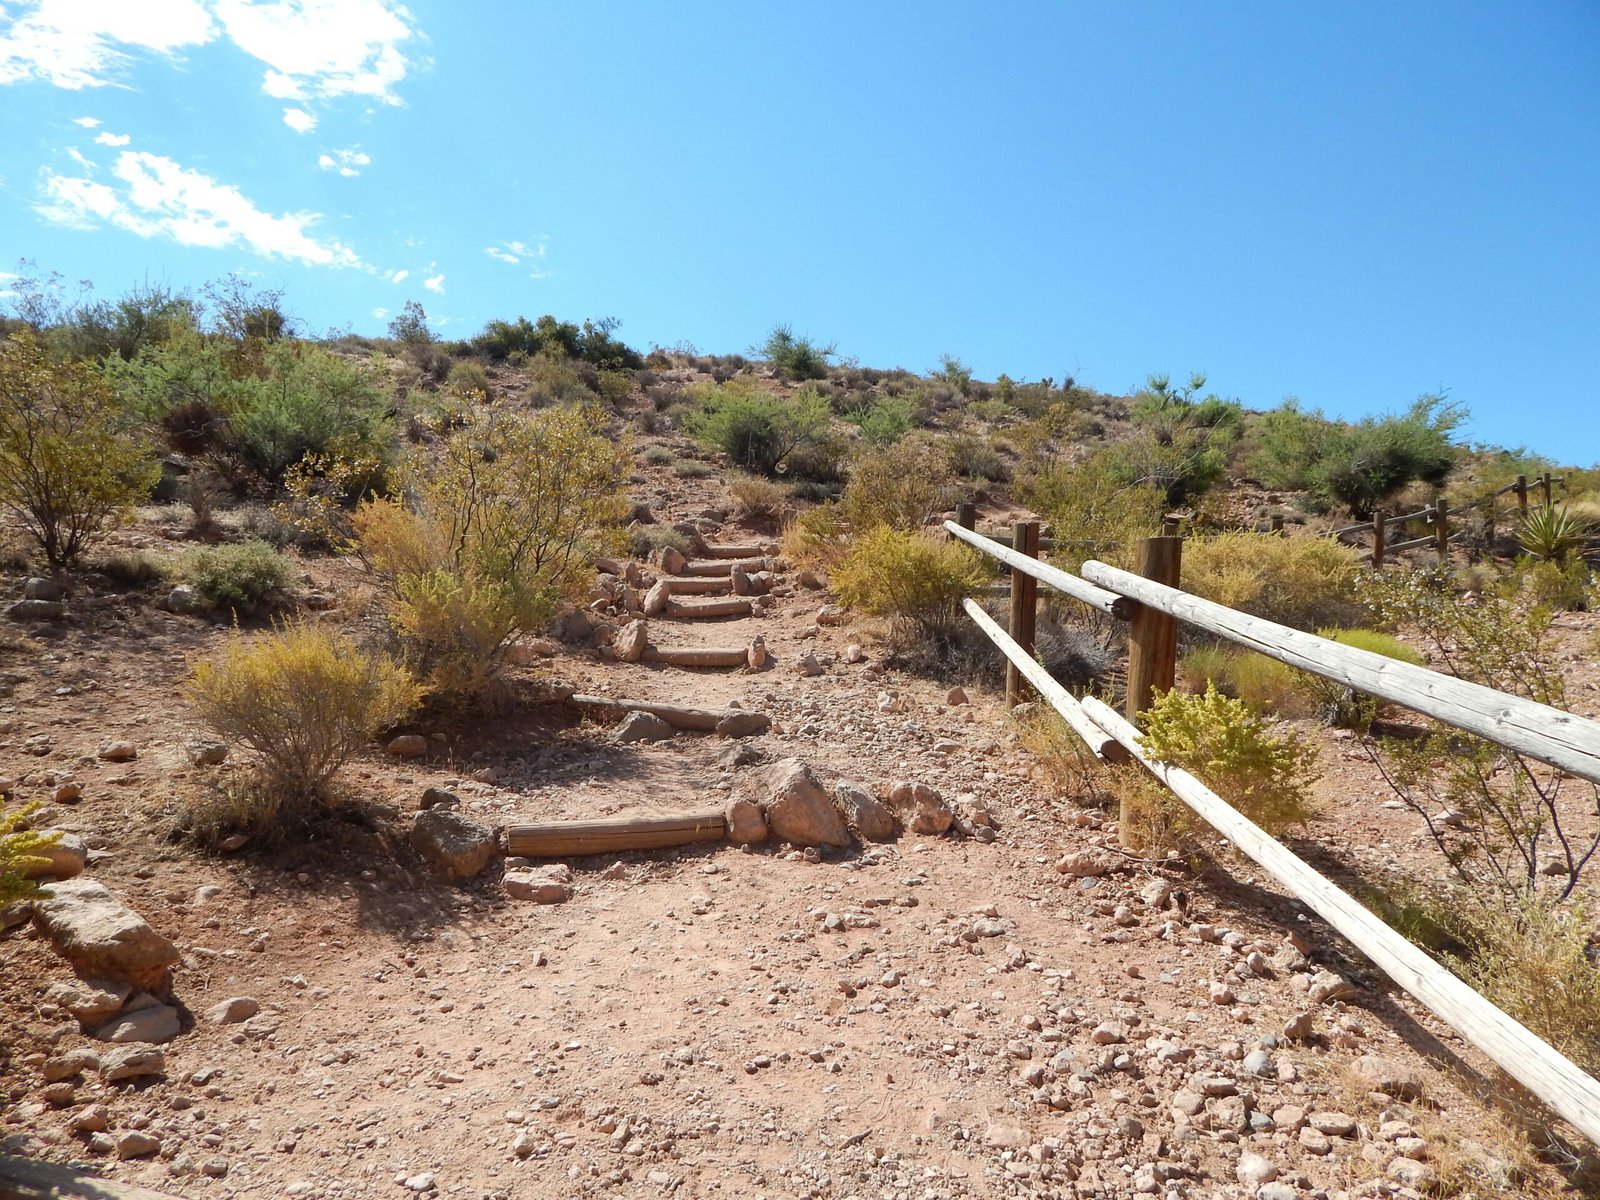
991,1000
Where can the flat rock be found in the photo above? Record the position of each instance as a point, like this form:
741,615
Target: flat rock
117,750
64,858
233,1010
640,726
742,724
798,809
746,822
101,936
630,642
91,1001
1385,1075
1326,986
203,753
1088,864
550,884
156,1024
132,1062
871,817
457,845
36,610
1253,1170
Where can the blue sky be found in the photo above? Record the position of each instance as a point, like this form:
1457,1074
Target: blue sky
1353,204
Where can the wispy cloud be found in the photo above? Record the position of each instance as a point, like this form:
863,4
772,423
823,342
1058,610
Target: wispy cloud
399,276
153,196
435,283
112,139
299,120
380,312
515,252
86,122
312,49
347,162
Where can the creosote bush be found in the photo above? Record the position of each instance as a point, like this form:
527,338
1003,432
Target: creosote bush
1092,512
755,496
304,698
248,576
494,537
1300,582
794,357
916,579
71,462
1265,684
1263,772
758,431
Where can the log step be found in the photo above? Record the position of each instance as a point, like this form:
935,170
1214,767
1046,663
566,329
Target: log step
732,606
679,716
608,835
723,566
705,585
698,656
754,551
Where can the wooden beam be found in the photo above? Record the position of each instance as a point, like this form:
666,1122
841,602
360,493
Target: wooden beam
706,585
1024,608
1107,602
1545,1072
30,1179
1064,702
673,714
752,551
1561,739
697,656
609,835
723,566
732,606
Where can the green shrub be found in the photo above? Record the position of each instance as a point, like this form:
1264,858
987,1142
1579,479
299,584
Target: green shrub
553,379
71,464
660,456
900,487
250,575
916,579
758,431
469,379
1265,684
646,539
794,357
756,496
1092,513
884,421
1553,532
1363,465
1560,587
1344,706
497,534
976,458
18,846
593,343
1290,442
1300,582
304,698
1182,464
1265,774
690,468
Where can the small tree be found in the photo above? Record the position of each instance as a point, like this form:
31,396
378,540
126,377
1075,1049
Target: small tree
70,461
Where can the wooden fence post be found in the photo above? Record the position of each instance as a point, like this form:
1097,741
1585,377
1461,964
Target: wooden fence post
1441,531
1152,650
967,515
1377,538
1544,486
1522,494
1024,608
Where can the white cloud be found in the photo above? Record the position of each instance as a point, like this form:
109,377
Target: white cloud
78,157
347,162
77,44
299,120
504,256
154,196
380,313
399,276
434,283
112,139
311,48
513,252
323,48
86,122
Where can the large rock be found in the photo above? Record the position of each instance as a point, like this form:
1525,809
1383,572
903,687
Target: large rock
655,600
1388,1076
640,726
798,809
630,642
91,1001
870,816
457,845
135,1062
746,824
921,808
158,1023
64,858
742,724
40,588
101,936
37,610
233,1010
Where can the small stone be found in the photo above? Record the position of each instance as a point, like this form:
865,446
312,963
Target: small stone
91,1001
36,610
1334,1124
544,885
956,696
137,1144
118,751
797,808
94,1119
746,824
186,598
234,1010
1253,1170
435,797
1258,1062
853,653
755,657
872,819
630,642
69,1065
458,846
1300,1026
1411,1173
407,745
1326,986
921,808
63,858
1314,1141
1087,864
69,793
1383,1075
206,754
1221,993
424,1182
640,726
807,666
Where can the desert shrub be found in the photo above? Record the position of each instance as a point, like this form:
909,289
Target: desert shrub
18,847
1553,532
646,539
758,431
690,468
1265,684
660,456
1068,763
1092,513
469,379
71,464
249,576
1301,582
1560,586
592,343
900,487
918,580
1264,773
794,357
133,569
1290,442
1364,464
884,421
494,538
304,698
148,315
1344,706
553,379
1182,464
614,386
1077,648
756,496
975,457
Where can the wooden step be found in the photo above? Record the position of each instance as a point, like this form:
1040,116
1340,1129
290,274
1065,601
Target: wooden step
679,716
698,656
608,835
753,551
723,566
731,606
705,585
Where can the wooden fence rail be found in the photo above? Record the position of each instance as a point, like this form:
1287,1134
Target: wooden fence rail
1438,514
1560,739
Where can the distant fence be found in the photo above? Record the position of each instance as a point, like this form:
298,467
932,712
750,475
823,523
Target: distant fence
1441,514
1152,604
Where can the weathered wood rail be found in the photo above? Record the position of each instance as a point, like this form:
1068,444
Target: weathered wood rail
1439,514
1560,739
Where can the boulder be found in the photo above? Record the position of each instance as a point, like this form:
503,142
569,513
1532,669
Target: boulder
63,858
655,600
158,1023
798,809
117,750
921,808
807,665
640,726
550,884
407,745
955,696
37,610
101,936
672,560
742,724
458,846
746,824
630,642
135,1062
871,817
186,598
204,753
40,588
739,583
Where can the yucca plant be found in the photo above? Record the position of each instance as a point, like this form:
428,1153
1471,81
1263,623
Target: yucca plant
1552,532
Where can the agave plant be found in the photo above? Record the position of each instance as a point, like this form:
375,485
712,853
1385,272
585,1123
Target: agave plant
1552,533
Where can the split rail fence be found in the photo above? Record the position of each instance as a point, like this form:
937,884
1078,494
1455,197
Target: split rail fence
1152,604
1386,528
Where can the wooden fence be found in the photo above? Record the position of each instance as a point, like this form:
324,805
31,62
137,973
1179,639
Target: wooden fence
1440,515
1152,604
